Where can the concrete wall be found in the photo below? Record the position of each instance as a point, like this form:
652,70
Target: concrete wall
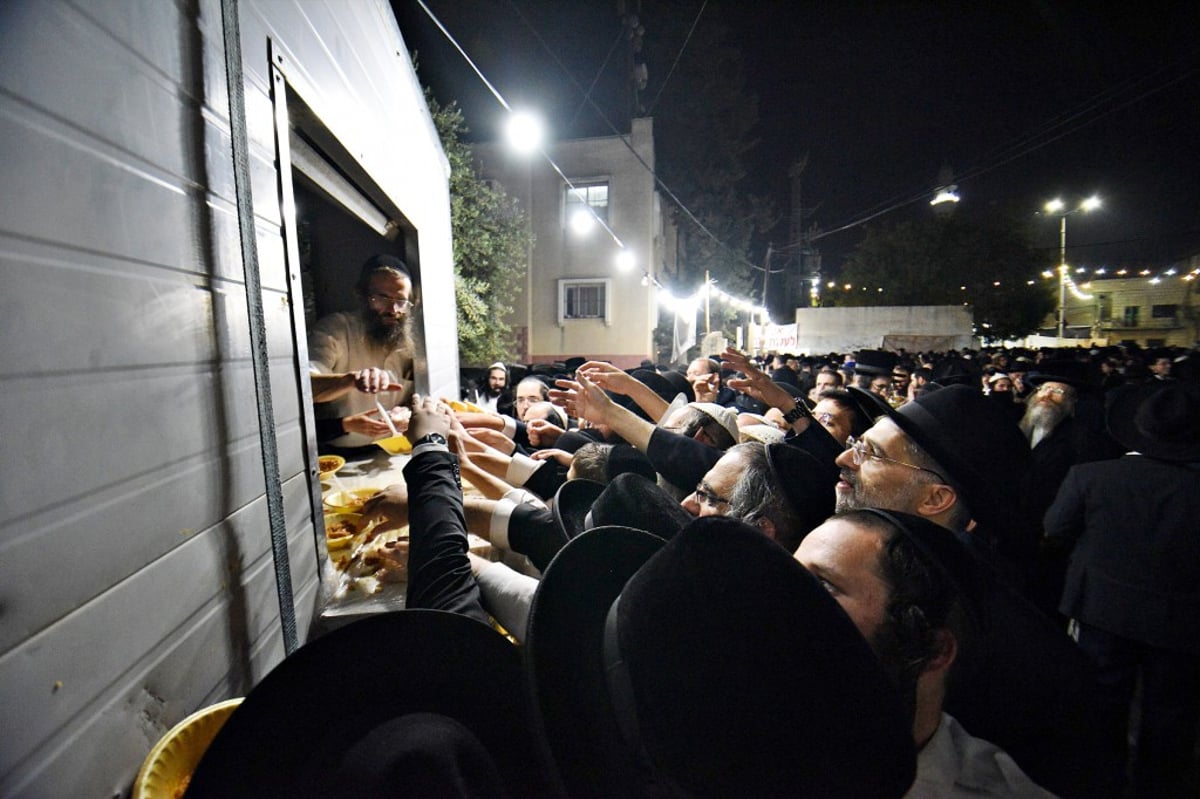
558,253
919,327
136,578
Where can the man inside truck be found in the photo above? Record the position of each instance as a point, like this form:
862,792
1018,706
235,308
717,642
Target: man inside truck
358,357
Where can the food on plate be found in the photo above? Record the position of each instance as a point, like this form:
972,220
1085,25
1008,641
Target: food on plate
350,501
340,529
328,464
379,559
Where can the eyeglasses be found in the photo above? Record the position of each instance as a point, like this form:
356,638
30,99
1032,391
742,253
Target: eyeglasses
384,301
1055,390
860,453
705,496
824,418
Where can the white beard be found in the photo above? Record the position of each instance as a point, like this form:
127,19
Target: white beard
1040,419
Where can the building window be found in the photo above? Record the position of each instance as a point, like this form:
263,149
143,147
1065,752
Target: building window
1131,316
584,299
579,198
1164,311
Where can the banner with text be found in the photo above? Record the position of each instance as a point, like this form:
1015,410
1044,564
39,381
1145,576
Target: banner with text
778,338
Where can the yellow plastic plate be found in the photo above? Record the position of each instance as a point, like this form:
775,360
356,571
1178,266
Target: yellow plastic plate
329,464
348,501
395,445
167,769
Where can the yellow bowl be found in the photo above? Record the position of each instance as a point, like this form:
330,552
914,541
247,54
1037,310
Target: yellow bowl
336,534
329,464
395,445
350,501
167,769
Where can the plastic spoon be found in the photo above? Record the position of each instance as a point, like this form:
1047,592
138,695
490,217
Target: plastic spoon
387,417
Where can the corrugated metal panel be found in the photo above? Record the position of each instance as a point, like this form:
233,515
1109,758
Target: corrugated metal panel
135,571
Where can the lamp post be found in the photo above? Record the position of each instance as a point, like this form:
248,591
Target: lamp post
1056,206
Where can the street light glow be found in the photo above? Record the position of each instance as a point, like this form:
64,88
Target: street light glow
1054,206
624,260
1090,204
524,132
582,222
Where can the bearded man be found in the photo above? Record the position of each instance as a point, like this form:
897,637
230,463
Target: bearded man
358,356
1058,441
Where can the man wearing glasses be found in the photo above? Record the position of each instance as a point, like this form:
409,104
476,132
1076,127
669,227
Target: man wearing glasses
952,457
358,357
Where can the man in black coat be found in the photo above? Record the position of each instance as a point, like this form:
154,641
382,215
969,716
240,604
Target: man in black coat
1133,582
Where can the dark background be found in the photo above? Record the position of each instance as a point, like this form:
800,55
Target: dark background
1026,101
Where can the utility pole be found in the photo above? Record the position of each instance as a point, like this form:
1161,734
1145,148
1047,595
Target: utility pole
707,329
766,273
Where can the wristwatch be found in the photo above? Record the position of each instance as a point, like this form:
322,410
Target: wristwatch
430,438
795,413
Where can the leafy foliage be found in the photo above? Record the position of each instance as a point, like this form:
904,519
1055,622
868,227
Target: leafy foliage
491,241
951,261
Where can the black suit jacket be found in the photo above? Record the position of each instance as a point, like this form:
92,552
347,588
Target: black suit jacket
439,573
1135,567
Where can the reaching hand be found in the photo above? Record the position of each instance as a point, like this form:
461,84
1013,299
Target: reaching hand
494,439
367,423
388,509
582,399
563,457
756,382
543,433
706,387
428,416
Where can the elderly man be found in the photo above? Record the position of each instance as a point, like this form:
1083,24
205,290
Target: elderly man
780,489
949,456
905,584
356,354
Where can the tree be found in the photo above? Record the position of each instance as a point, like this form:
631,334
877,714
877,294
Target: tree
704,120
491,242
951,261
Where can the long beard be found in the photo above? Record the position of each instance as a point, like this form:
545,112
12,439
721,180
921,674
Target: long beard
1040,419
393,337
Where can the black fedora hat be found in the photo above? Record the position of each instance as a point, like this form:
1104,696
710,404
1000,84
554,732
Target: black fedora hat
624,459
1160,419
572,502
975,441
633,500
376,683
680,384
875,362
711,665
807,483
868,403
656,383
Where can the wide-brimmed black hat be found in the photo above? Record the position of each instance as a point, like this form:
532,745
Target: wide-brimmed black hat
807,483
656,383
632,500
572,502
680,384
868,403
624,459
1068,372
875,362
710,665
384,686
1159,419
974,440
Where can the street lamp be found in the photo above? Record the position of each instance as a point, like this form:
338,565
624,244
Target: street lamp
1057,206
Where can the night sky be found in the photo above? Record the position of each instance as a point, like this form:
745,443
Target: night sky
1026,101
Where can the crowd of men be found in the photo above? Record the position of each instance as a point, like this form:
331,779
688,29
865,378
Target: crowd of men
864,574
